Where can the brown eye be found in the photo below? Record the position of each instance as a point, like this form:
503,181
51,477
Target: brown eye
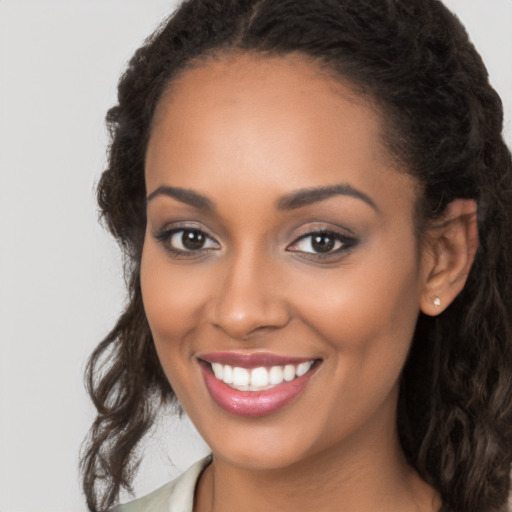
319,243
322,243
186,241
193,239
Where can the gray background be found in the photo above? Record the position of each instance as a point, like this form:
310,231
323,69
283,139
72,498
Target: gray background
61,287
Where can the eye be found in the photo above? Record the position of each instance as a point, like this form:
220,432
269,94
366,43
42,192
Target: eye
322,243
186,241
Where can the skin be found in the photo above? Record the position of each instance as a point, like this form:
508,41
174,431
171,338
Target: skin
244,133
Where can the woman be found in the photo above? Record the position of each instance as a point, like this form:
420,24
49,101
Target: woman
314,200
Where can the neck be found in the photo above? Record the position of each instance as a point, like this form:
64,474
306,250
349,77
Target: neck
350,477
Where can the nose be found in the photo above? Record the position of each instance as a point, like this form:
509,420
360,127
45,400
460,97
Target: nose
249,299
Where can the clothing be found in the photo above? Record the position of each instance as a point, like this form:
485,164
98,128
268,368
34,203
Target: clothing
175,496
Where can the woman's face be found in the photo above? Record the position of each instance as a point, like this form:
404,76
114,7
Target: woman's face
280,240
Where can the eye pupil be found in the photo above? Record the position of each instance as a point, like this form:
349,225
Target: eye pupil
193,239
322,243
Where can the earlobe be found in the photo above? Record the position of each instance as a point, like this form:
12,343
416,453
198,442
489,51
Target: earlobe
448,253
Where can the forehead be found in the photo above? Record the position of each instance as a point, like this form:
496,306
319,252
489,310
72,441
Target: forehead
236,77
280,120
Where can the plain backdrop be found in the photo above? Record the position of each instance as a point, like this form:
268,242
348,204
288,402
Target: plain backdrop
61,285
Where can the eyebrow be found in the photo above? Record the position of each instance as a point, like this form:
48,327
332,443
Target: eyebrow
298,199
183,195
308,196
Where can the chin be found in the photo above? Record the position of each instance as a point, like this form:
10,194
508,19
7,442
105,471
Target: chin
258,458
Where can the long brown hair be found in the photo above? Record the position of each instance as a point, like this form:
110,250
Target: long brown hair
443,124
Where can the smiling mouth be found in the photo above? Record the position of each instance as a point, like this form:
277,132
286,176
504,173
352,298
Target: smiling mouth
255,384
260,378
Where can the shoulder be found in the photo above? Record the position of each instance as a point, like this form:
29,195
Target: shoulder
175,496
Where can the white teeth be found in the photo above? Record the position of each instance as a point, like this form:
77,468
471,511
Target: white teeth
303,368
217,370
241,376
227,375
275,375
289,372
261,378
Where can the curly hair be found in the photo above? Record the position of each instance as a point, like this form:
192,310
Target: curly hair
443,125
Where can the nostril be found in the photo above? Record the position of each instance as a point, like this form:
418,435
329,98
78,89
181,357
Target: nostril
241,322
247,298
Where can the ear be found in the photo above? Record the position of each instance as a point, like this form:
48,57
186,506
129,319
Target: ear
448,252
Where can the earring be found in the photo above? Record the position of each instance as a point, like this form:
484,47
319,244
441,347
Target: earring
437,302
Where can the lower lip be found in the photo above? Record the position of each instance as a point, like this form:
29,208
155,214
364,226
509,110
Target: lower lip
254,403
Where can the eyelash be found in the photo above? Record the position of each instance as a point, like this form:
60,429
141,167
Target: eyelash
165,238
346,243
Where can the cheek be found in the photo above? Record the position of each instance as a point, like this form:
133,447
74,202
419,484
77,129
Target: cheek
356,308
173,299
366,310
172,295
366,316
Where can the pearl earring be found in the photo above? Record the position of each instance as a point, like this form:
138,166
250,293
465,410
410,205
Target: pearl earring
437,302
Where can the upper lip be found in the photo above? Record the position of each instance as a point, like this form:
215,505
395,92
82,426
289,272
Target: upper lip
254,360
